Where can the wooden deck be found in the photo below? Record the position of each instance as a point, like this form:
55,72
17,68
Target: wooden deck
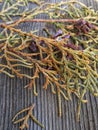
13,97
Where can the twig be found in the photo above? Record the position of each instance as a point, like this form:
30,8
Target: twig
26,118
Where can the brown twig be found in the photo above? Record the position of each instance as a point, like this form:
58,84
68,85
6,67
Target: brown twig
26,118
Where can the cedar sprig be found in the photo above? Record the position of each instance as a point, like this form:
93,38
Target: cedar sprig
68,63
26,118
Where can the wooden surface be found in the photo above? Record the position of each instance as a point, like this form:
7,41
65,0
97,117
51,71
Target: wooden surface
13,97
